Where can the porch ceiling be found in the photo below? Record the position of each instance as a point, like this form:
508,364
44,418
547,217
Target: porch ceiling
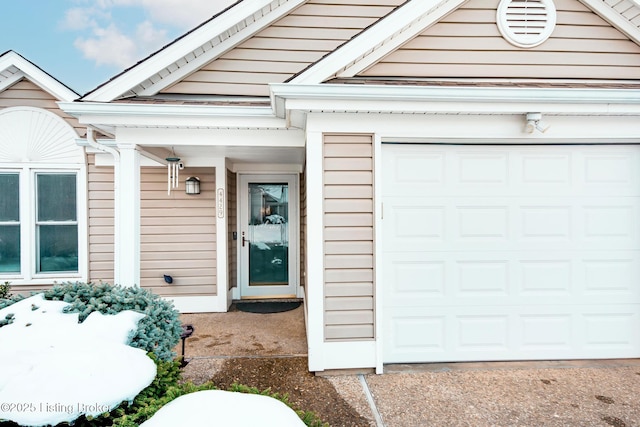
199,155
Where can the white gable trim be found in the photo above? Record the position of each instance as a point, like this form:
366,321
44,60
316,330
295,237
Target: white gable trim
9,77
196,49
416,16
378,40
618,17
11,61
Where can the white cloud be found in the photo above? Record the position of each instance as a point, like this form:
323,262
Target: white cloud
113,37
79,18
183,13
109,46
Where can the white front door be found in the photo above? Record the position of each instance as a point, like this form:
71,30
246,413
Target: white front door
268,239
510,252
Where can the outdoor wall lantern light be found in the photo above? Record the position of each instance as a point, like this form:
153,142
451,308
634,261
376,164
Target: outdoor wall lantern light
192,185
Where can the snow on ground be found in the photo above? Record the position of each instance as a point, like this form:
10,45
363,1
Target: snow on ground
224,408
55,369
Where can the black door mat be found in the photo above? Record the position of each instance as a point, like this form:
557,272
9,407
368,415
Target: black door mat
267,306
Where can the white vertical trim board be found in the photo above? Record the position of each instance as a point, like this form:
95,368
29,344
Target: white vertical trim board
349,355
127,271
315,253
377,264
83,222
222,256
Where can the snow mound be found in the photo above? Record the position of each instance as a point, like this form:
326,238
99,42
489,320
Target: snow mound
224,408
55,369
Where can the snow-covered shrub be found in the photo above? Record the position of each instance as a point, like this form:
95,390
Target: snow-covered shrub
165,387
6,299
158,332
5,289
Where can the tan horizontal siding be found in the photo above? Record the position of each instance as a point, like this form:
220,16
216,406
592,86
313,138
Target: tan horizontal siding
178,234
348,332
348,219
348,261
24,93
349,192
284,48
232,223
348,289
27,290
101,214
467,44
349,303
349,237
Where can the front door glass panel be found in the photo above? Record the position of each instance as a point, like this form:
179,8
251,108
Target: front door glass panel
268,234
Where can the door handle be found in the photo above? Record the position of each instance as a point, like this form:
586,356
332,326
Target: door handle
244,240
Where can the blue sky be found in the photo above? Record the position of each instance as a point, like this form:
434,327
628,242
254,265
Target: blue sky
83,43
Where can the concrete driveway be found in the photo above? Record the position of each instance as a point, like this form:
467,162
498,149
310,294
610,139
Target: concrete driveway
574,393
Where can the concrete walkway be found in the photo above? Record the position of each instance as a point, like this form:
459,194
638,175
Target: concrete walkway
566,393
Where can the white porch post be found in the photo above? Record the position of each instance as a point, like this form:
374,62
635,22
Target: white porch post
223,298
315,253
127,217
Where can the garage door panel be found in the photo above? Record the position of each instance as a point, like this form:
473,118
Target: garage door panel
518,278
511,171
611,328
510,252
416,336
522,223
500,333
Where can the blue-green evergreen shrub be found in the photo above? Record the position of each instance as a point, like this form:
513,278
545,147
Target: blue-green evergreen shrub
158,332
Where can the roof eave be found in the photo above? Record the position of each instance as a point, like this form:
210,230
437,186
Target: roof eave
186,54
287,97
200,116
38,76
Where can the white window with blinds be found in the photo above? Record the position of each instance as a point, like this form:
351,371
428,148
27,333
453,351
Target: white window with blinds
40,237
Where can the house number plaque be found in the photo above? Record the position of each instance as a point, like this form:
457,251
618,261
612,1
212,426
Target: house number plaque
220,202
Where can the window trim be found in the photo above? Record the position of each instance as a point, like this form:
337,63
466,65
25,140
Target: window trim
38,224
28,274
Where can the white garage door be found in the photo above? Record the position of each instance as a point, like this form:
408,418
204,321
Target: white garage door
510,252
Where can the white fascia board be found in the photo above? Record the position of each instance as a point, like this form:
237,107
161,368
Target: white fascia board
614,17
378,40
121,114
9,81
38,77
406,99
213,137
234,18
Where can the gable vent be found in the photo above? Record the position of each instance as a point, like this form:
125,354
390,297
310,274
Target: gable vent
526,23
